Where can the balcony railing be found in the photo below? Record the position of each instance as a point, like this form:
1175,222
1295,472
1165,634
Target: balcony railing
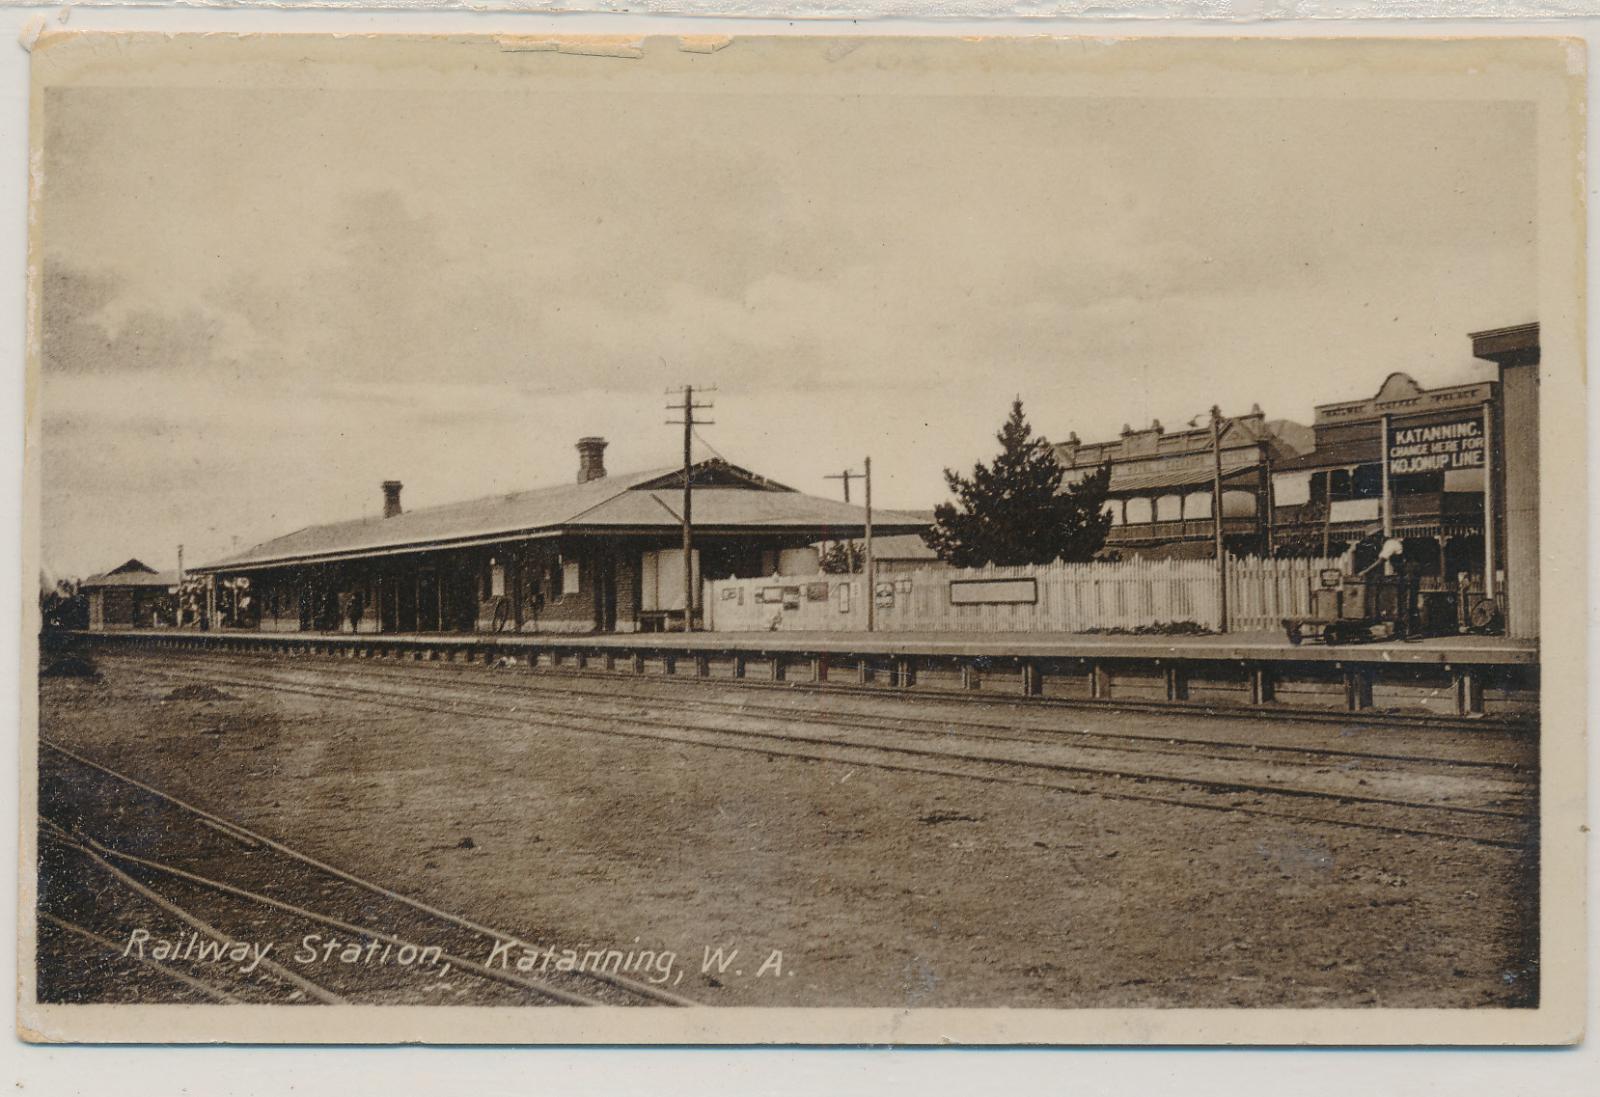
1445,507
1189,529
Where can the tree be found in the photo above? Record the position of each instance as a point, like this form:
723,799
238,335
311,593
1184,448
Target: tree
1014,510
842,558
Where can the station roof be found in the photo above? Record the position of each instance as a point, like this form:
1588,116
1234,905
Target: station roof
726,499
132,573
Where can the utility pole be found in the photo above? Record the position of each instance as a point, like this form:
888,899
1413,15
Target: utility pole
1216,515
849,546
871,566
687,409
846,476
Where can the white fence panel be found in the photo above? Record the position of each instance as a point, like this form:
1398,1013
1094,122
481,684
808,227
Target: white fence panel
1068,598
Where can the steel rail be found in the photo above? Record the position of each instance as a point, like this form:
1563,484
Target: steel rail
538,986
1205,783
643,989
1512,722
389,700
527,685
306,986
216,994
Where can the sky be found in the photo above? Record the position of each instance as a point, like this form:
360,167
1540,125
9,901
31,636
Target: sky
258,300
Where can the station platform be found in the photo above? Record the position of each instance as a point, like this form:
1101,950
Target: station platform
1463,676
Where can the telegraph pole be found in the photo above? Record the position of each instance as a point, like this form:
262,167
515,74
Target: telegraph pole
687,409
1216,515
871,565
846,476
849,546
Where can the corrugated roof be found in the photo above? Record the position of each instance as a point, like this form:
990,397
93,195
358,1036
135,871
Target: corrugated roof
131,579
737,507
609,502
540,508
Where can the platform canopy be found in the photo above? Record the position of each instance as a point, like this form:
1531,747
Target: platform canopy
727,500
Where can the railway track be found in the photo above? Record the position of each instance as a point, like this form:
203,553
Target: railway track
120,858
1501,813
1373,717
1028,728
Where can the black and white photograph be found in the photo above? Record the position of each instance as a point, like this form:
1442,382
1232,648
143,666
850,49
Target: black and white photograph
803,540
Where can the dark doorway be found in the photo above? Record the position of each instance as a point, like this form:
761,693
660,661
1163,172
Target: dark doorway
427,599
605,593
388,604
405,593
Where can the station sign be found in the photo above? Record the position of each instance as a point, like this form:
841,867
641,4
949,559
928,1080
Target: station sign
1436,447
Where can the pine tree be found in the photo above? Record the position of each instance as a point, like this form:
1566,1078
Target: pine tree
1013,510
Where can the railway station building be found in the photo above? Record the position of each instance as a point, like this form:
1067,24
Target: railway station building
603,554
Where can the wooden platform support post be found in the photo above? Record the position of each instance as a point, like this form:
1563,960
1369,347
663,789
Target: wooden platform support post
1357,688
1030,678
1099,681
1469,691
1177,683
1260,685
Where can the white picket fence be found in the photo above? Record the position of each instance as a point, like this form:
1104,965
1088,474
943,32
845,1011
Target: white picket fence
1055,597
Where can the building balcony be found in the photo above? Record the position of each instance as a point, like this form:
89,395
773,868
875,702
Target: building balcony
1190,529
1449,508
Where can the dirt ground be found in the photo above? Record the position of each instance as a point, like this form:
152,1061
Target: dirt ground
838,885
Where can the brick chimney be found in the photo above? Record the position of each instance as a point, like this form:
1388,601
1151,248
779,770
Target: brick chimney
391,498
591,459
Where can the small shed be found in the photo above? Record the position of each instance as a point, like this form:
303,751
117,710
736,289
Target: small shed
134,595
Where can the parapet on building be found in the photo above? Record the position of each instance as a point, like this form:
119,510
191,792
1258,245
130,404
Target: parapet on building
1162,482
603,554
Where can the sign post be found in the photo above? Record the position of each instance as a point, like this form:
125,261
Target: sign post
1216,518
1388,504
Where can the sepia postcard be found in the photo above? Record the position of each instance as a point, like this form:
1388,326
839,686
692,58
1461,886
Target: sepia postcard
804,540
